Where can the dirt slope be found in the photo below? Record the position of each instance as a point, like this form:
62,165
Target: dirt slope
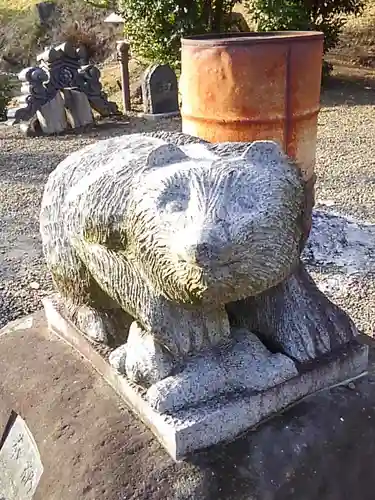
23,34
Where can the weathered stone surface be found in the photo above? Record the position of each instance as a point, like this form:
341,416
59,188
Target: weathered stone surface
160,91
247,366
46,12
250,385
170,235
93,447
78,110
20,464
192,241
52,116
146,360
295,317
62,67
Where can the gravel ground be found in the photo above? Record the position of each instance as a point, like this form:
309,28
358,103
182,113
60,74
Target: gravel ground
25,164
346,184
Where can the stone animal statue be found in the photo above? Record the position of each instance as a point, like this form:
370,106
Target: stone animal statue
184,240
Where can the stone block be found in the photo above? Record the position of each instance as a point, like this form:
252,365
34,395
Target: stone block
78,109
20,464
160,91
52,116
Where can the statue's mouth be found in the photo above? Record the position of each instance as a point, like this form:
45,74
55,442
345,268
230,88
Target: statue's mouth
211,283
214,280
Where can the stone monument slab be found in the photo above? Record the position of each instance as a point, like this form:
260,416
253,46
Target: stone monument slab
20,464
160,92
52,116
46,12
77,107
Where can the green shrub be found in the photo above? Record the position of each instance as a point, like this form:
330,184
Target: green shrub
328,16
155,27
5,95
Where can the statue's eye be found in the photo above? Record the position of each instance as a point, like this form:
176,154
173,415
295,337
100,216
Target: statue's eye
174,197
175,206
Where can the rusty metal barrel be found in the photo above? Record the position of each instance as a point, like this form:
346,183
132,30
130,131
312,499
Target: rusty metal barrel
251,86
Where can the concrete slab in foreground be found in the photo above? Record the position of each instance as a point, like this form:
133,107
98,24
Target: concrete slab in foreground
92,446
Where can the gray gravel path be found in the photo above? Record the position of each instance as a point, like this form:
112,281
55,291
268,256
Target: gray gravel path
346,184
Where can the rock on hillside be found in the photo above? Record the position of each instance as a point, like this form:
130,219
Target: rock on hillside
27,28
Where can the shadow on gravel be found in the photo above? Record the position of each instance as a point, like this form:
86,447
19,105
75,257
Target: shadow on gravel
107,128
34,168
28,168
349,90
340,244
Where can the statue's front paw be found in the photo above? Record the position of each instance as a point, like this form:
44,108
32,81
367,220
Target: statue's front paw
92,323
142,359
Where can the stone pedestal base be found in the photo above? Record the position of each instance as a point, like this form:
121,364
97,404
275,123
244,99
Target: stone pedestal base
186,431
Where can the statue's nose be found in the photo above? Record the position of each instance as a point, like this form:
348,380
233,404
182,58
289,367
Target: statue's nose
202,249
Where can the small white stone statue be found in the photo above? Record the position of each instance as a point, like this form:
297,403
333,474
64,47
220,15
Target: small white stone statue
186,257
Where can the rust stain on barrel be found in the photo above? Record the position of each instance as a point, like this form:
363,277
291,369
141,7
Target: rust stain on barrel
250,86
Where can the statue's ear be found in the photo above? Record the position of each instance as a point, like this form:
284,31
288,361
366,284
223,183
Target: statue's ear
263,151
165,154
